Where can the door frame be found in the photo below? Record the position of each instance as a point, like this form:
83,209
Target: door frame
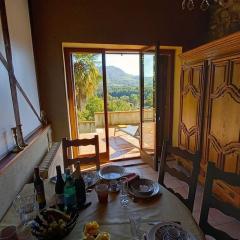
161,75
104,157
67,52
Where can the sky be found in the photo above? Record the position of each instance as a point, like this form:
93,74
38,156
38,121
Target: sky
129,63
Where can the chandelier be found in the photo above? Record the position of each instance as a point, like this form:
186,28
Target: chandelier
203,4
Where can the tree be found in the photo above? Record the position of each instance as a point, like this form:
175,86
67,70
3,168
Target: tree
116,104
94,104
87,77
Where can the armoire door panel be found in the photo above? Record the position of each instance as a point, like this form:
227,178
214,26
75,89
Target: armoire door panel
235,67
190,110
225,112
219,72
191,92
213,153
196,78
193,143
232,163
185,76
223,128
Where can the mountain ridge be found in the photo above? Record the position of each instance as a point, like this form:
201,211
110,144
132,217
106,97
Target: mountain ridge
116,77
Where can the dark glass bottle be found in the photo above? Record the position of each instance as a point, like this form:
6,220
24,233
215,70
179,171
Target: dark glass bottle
80,187
59,189
39,188
69,192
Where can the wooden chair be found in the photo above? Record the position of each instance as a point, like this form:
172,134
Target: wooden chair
209,200
190,178
68,144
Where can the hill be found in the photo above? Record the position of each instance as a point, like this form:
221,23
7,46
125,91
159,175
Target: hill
116,77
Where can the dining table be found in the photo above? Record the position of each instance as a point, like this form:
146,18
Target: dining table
114,219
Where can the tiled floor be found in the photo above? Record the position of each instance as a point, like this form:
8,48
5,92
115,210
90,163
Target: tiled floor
215,218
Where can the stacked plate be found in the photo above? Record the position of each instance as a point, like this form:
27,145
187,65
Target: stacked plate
169,231
111,172
144,188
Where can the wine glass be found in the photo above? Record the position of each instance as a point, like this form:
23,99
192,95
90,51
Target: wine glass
26,207
124,199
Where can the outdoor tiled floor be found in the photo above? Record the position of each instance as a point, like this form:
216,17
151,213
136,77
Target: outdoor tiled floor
122,145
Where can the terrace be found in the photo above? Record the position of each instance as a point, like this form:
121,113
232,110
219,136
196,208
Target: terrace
179,121
124,133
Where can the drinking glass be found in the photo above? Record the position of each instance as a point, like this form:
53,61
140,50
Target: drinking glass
26,207
124,192
102,192
114,186
135,222
89,178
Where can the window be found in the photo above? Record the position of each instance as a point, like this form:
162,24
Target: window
24,69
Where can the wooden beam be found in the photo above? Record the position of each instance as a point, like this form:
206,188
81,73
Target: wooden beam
7,43
5,64
105,99
141,85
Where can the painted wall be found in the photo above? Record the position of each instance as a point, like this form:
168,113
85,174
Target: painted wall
20,170
121,22
24,67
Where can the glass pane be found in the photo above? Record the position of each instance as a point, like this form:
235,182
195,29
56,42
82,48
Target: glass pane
122,72
89,99
6,107
149,111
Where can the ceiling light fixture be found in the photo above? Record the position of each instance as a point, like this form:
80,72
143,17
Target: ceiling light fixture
204,4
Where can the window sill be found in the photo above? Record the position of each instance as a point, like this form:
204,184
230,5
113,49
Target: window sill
10,158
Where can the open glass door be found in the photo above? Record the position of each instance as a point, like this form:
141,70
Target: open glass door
148,106
156,76
87,100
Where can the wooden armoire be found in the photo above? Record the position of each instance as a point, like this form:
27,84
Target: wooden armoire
210,108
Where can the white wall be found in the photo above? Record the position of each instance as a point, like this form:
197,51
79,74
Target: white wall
23,61
13,177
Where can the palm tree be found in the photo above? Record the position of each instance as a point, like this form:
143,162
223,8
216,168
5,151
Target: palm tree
86,76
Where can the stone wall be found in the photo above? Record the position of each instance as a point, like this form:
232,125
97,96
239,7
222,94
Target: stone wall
224,20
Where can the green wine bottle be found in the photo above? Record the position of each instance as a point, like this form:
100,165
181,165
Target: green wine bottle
39,188
69,192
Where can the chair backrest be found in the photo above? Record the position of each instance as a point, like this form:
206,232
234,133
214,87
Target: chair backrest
68,144
210,200
190,179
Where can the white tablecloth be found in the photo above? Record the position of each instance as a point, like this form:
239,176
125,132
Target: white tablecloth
114,219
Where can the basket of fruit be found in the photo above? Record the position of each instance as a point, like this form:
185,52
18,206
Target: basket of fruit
53,224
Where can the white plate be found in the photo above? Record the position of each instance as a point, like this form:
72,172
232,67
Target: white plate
151,235
111,172
156,191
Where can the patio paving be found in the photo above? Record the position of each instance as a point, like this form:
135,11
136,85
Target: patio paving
122,145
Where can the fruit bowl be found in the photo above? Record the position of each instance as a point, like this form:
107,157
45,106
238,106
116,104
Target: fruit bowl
53,224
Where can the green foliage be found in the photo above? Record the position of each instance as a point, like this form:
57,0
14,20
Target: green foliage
94,104
87,77
118,104
89,91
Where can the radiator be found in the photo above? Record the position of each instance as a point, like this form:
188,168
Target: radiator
53,158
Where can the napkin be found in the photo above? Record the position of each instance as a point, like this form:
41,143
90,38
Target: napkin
131,177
